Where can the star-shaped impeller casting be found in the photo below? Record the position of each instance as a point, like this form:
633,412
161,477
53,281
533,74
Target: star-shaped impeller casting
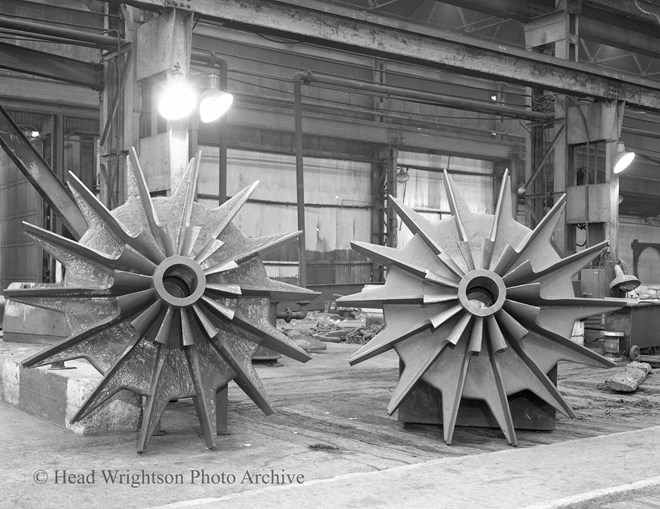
479,307
182,298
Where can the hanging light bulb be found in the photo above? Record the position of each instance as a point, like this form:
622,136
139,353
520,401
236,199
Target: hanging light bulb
622,157
214,102
178,98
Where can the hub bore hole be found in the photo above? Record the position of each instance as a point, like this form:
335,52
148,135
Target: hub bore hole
180,281
482,292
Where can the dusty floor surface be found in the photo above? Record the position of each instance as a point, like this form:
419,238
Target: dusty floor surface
330,420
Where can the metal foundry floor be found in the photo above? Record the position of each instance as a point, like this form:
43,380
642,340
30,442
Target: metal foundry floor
332,433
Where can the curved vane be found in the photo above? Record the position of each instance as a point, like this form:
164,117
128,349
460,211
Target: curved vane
479,307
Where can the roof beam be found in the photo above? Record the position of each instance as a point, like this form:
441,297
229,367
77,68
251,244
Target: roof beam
48,65
338,27
609,23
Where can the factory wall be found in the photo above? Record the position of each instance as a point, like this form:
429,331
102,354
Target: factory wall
425,191
20,258
648,231
337,209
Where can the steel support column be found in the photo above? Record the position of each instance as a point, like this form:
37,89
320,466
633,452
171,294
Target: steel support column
300,183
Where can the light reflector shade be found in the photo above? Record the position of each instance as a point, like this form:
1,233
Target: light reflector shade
622,158
214,104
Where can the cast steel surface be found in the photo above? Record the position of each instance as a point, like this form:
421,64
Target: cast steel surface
479,307
171,299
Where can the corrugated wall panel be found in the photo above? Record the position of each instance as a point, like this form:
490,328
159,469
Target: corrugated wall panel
20,258
425,190
337,196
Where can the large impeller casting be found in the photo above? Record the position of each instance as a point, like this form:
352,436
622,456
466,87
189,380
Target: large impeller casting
180,296
479,307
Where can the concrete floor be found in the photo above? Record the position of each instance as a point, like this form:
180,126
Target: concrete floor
332,445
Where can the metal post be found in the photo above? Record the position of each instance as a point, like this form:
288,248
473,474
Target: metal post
222,137
300,187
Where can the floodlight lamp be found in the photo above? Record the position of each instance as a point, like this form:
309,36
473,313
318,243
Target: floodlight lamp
214,102
178,98
622,157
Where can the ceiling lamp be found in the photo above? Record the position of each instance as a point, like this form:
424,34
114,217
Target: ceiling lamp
622,158
178,98
214,102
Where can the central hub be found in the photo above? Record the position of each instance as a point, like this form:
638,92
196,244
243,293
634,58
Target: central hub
179,281
482,292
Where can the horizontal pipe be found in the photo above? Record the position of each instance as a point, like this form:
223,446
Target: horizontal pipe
105,41
439,99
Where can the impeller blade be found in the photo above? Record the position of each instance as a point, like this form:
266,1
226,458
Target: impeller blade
142,243
183,198
454,372
246,377
390,256
411,374
221,217
498,402
188,240
132,302
555,329
132,371
534,246
218,308
445,315
208,251
91,264
459,208
155,406
558,316
110,333
466,252
409,290
249,248
495,337
165,328
187,335
224,289
204,405
278,291
405,322
555,279
272,338
535,379
422,227
209,372
141,195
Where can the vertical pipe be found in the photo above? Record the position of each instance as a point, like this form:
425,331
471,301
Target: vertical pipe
391,184
222,137
300,188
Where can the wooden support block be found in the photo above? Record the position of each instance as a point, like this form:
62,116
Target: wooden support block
630,378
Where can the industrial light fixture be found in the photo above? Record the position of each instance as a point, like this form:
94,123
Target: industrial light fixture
622,158
623,282
402,175
178,98
214,102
